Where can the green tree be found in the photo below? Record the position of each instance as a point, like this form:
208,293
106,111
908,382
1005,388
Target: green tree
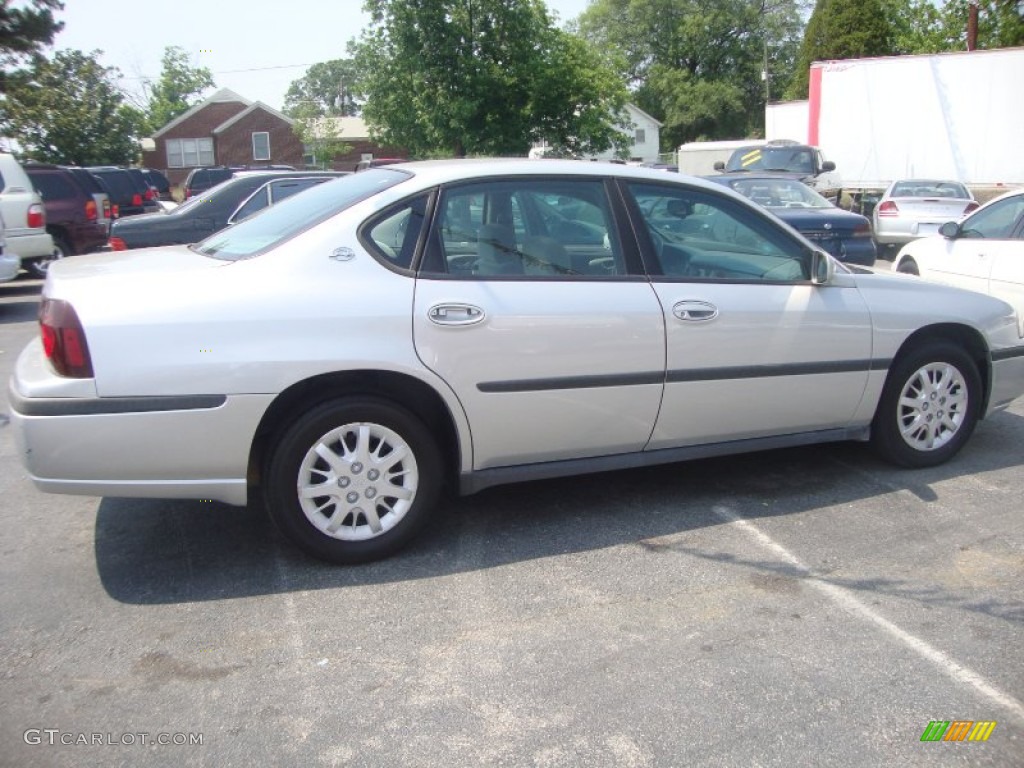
24,30
483,77
328,88
840,29
179,87
703,67
68,110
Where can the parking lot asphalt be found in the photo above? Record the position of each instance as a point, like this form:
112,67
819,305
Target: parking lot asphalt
803,607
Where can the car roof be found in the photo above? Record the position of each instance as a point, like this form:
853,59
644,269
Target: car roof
448,171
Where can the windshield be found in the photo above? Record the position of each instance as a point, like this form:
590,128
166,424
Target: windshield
288,218
790,159
780,193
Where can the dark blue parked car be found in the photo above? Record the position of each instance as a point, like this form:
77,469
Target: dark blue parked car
844,234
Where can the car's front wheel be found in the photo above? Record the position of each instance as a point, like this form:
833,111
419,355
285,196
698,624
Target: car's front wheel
908,267
353,479
929,406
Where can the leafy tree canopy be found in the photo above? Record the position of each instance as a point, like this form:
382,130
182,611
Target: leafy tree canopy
328,88
25,28
840,29
68,110
179,87
920,26
484,77
703,67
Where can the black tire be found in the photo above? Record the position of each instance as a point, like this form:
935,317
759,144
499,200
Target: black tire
61,250
360,502
929,407
909,267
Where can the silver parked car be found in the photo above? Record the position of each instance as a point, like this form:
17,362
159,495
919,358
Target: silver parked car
914,208
350,351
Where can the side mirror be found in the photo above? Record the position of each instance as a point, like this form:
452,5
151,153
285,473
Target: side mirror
950,230
719,166
828,166
823,269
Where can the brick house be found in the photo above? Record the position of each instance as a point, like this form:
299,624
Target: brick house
354,133
228,129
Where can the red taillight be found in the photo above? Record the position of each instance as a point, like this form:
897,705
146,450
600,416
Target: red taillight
115,210
136,199
888,208
64,339
151,193
90,210
862,230
107,213
188,193
971,206
36,216
117,244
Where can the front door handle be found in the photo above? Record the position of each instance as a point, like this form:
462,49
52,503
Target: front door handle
455,314
695,311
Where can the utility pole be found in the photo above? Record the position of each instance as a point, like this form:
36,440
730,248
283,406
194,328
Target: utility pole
972,25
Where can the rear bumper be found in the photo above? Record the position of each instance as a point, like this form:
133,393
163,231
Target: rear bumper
31,246
188,447
10,265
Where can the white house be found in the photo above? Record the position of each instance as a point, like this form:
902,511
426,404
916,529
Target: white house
645,132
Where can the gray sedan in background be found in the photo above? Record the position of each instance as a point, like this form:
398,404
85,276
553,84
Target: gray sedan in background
913,208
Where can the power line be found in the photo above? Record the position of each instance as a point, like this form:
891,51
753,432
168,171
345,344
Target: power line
232,71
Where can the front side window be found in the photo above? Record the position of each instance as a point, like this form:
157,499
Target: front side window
525,227
996,222
261,146
189,153
699,236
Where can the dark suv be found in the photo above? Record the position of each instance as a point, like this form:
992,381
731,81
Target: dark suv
201,179
130,195
77,210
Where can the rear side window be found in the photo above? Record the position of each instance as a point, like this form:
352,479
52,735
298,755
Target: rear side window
54,186
533,228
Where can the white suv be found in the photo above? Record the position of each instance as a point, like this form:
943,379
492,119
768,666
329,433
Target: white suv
10,263
23,212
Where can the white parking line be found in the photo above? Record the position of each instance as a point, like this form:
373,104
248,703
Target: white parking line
850,603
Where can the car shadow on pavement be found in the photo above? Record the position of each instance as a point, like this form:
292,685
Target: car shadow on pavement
162,551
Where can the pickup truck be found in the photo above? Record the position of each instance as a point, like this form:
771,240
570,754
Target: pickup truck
791,159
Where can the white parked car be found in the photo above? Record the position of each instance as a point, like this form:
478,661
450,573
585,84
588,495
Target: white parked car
23,213
913,208
984,252
350,351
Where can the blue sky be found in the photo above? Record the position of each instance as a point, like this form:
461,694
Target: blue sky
254,48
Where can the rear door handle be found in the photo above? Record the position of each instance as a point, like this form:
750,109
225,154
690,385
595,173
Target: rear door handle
695,311
455,314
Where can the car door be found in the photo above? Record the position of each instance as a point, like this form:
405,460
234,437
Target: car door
967,260
1006,279
754,348
534,311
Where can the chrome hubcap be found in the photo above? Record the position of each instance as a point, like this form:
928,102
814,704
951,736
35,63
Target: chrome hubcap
357,481
932,406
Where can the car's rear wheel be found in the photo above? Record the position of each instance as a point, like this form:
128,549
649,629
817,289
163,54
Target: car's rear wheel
61,250
929,406
908,267
353,479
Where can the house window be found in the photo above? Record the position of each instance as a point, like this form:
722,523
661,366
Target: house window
189,153
640,137
261,146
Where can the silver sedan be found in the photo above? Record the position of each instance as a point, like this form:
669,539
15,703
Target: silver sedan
914,208
347,353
